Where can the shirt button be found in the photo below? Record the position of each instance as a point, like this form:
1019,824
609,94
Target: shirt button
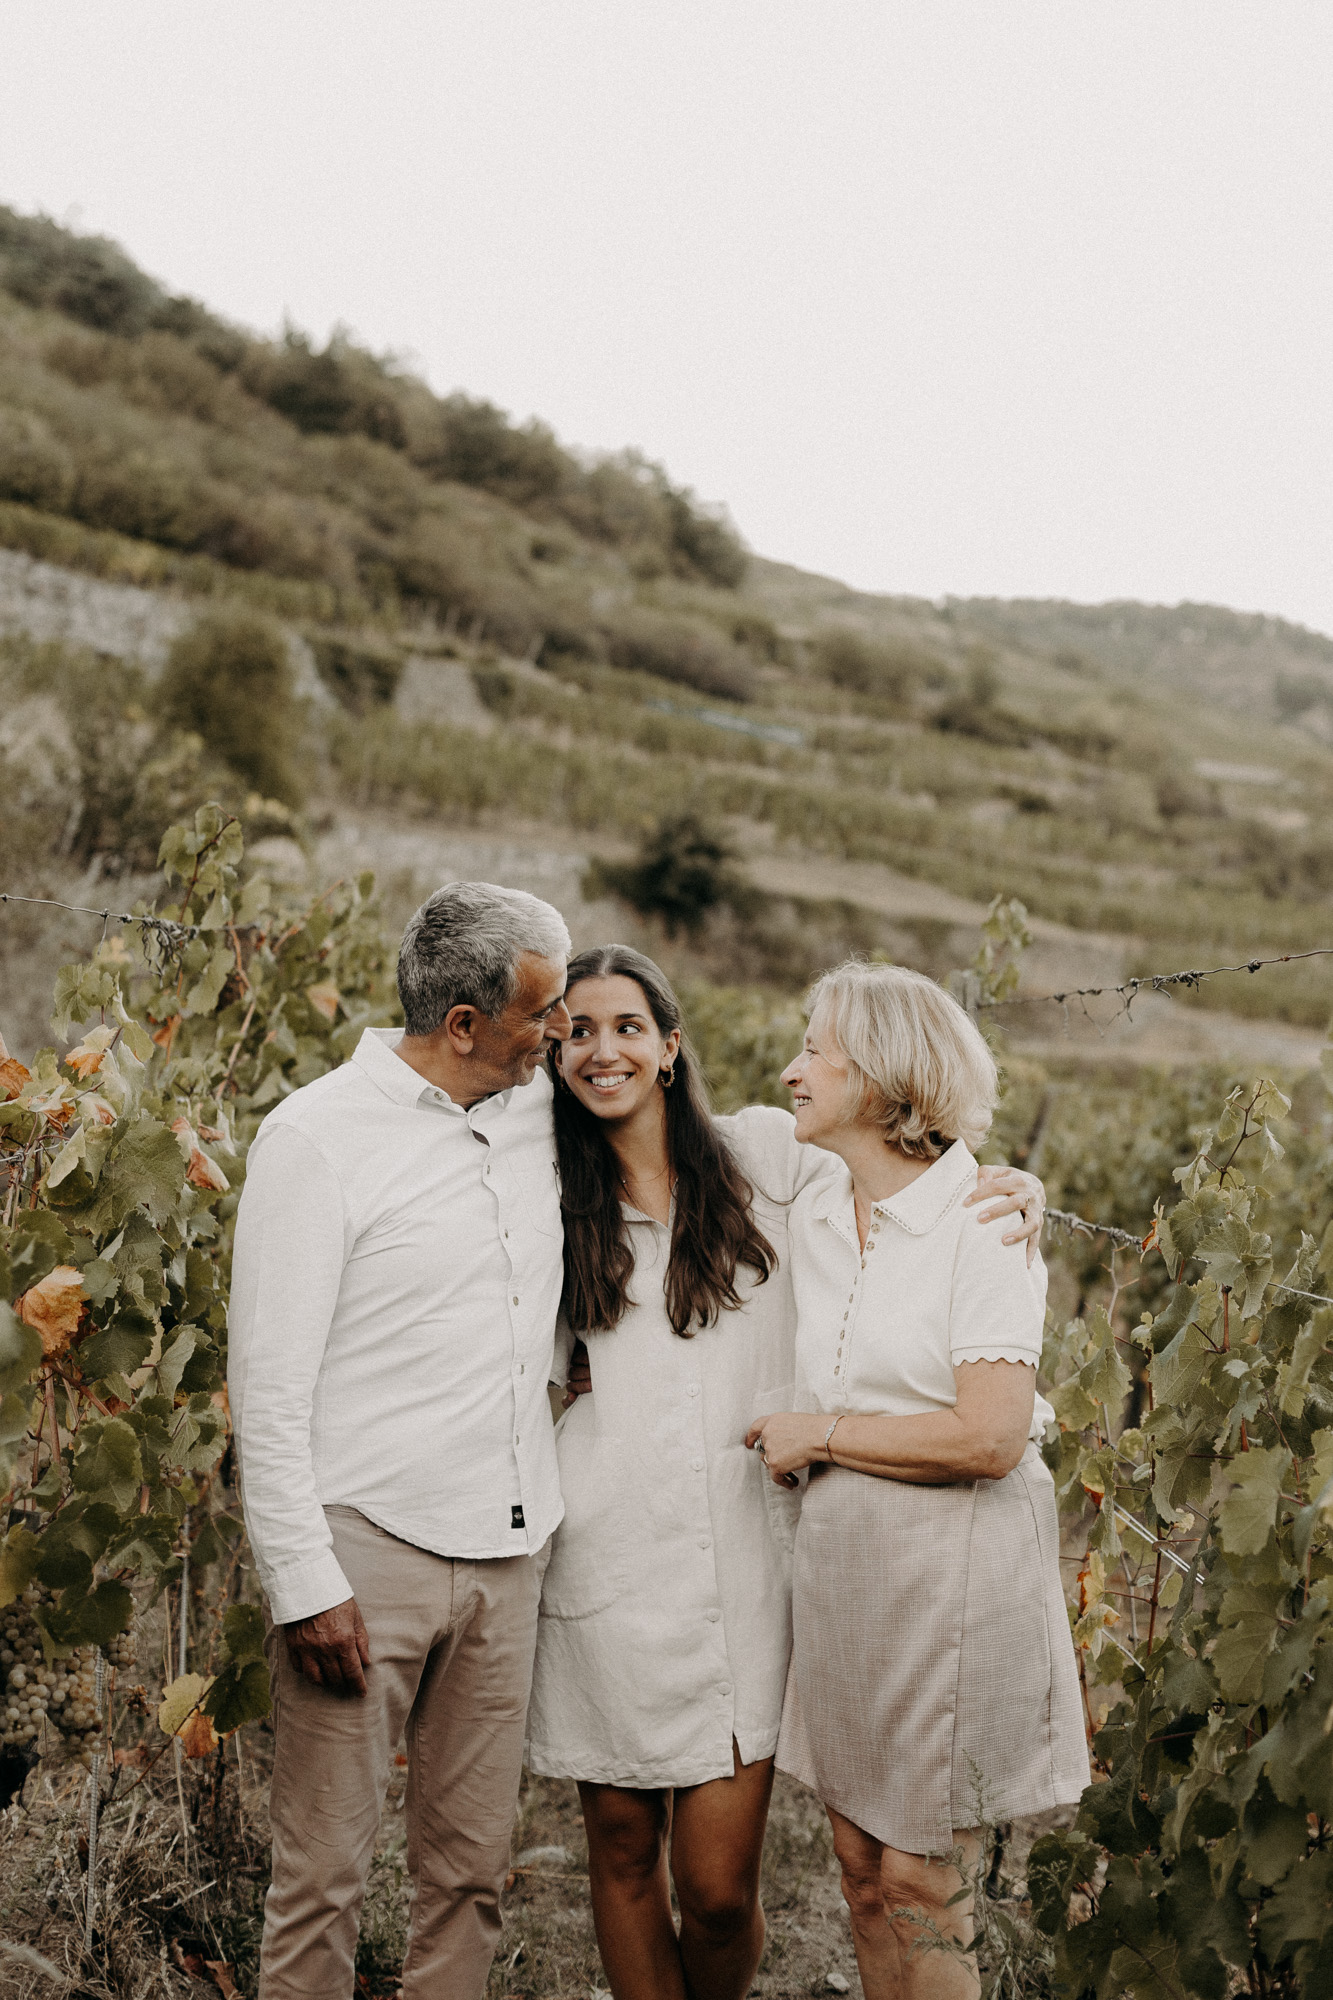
713,1617
515,1297
705,1542
522,1368
696,1465
694,1388
724,1687
835,1371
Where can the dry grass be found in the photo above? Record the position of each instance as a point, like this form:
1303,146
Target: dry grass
180,1911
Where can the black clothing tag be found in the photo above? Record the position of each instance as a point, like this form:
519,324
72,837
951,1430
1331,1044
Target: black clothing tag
516,1518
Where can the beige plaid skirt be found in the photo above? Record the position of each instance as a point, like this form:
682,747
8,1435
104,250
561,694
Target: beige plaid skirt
933,1681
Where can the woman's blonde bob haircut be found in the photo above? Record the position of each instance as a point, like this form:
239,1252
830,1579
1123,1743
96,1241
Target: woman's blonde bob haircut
919,1067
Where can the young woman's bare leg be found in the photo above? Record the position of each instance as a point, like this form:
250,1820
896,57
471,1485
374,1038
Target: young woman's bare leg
878,1881
631,1899
717,1840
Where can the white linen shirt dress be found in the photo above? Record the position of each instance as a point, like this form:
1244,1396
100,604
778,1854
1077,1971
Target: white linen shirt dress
933,1680
665,1626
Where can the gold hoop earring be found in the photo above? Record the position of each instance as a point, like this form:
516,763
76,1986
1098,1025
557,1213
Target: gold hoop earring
666,1077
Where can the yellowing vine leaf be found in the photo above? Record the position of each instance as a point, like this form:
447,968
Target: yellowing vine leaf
325,999
53,1308
200,1171
13,1076
88,1057
180,1705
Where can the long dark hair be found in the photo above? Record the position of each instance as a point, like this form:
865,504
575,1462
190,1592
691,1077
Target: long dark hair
713,1230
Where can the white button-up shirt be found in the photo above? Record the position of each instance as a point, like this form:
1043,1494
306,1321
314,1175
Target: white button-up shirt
396,1281
879,1331
665,1620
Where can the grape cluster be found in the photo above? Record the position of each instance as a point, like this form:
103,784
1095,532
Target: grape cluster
52,1709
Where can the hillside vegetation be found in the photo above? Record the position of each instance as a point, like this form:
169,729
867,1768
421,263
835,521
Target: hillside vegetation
608,663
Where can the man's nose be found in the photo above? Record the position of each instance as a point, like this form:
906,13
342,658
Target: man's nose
559,1027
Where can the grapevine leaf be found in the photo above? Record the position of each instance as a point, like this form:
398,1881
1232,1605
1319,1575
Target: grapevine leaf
172,1364
243,1631
20,1349
1238,1658
108,1460
18,1562
100,1282
1246,1516
1274,1835
146,1170
239,1694
15,1414
94,1618
118,1350
39,1242
1300,1911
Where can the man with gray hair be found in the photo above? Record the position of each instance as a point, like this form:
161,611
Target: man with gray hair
396,1282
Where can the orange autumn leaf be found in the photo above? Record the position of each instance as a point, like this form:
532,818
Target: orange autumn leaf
222,1978
13,1076
54,1307
163,1035
85,1062
197,1736
325,999
200,1172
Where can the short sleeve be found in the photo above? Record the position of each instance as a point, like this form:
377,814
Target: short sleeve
998,1305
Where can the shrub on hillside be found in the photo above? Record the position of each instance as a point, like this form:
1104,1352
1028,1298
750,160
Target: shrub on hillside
974,709
645,643
340,389
884,670
685,868
229,681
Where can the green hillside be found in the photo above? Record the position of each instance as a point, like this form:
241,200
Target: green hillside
1157,775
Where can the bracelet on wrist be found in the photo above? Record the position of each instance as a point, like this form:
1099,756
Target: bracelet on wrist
829,1433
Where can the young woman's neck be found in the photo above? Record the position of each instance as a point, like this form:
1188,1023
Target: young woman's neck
643,1157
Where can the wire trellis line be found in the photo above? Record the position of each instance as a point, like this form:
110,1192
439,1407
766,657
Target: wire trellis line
165,932
1125,1239
1130,990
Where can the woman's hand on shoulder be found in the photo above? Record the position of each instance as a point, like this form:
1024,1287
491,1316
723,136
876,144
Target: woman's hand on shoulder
787,1444
1012,1192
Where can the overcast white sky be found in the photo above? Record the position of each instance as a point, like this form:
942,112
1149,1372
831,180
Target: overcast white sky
1018,297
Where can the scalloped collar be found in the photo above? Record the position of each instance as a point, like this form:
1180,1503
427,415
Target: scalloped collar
919,1206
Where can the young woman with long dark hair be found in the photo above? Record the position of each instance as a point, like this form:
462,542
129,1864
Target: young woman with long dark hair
666,1628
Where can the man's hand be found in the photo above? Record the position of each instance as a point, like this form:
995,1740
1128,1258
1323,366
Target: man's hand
1023,1194
332,1648
579,1382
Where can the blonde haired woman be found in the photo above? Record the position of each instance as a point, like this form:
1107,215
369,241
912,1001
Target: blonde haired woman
932,1667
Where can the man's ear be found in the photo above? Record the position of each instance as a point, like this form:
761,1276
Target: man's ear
460,1024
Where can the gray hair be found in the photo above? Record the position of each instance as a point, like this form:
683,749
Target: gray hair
462,947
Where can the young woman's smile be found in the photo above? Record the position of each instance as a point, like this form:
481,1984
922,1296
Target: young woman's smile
616,1056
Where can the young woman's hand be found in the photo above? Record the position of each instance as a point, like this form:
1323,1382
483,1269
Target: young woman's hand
1014,1193
787,1444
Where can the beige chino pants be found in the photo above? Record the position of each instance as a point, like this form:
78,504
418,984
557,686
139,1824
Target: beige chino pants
451,1646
